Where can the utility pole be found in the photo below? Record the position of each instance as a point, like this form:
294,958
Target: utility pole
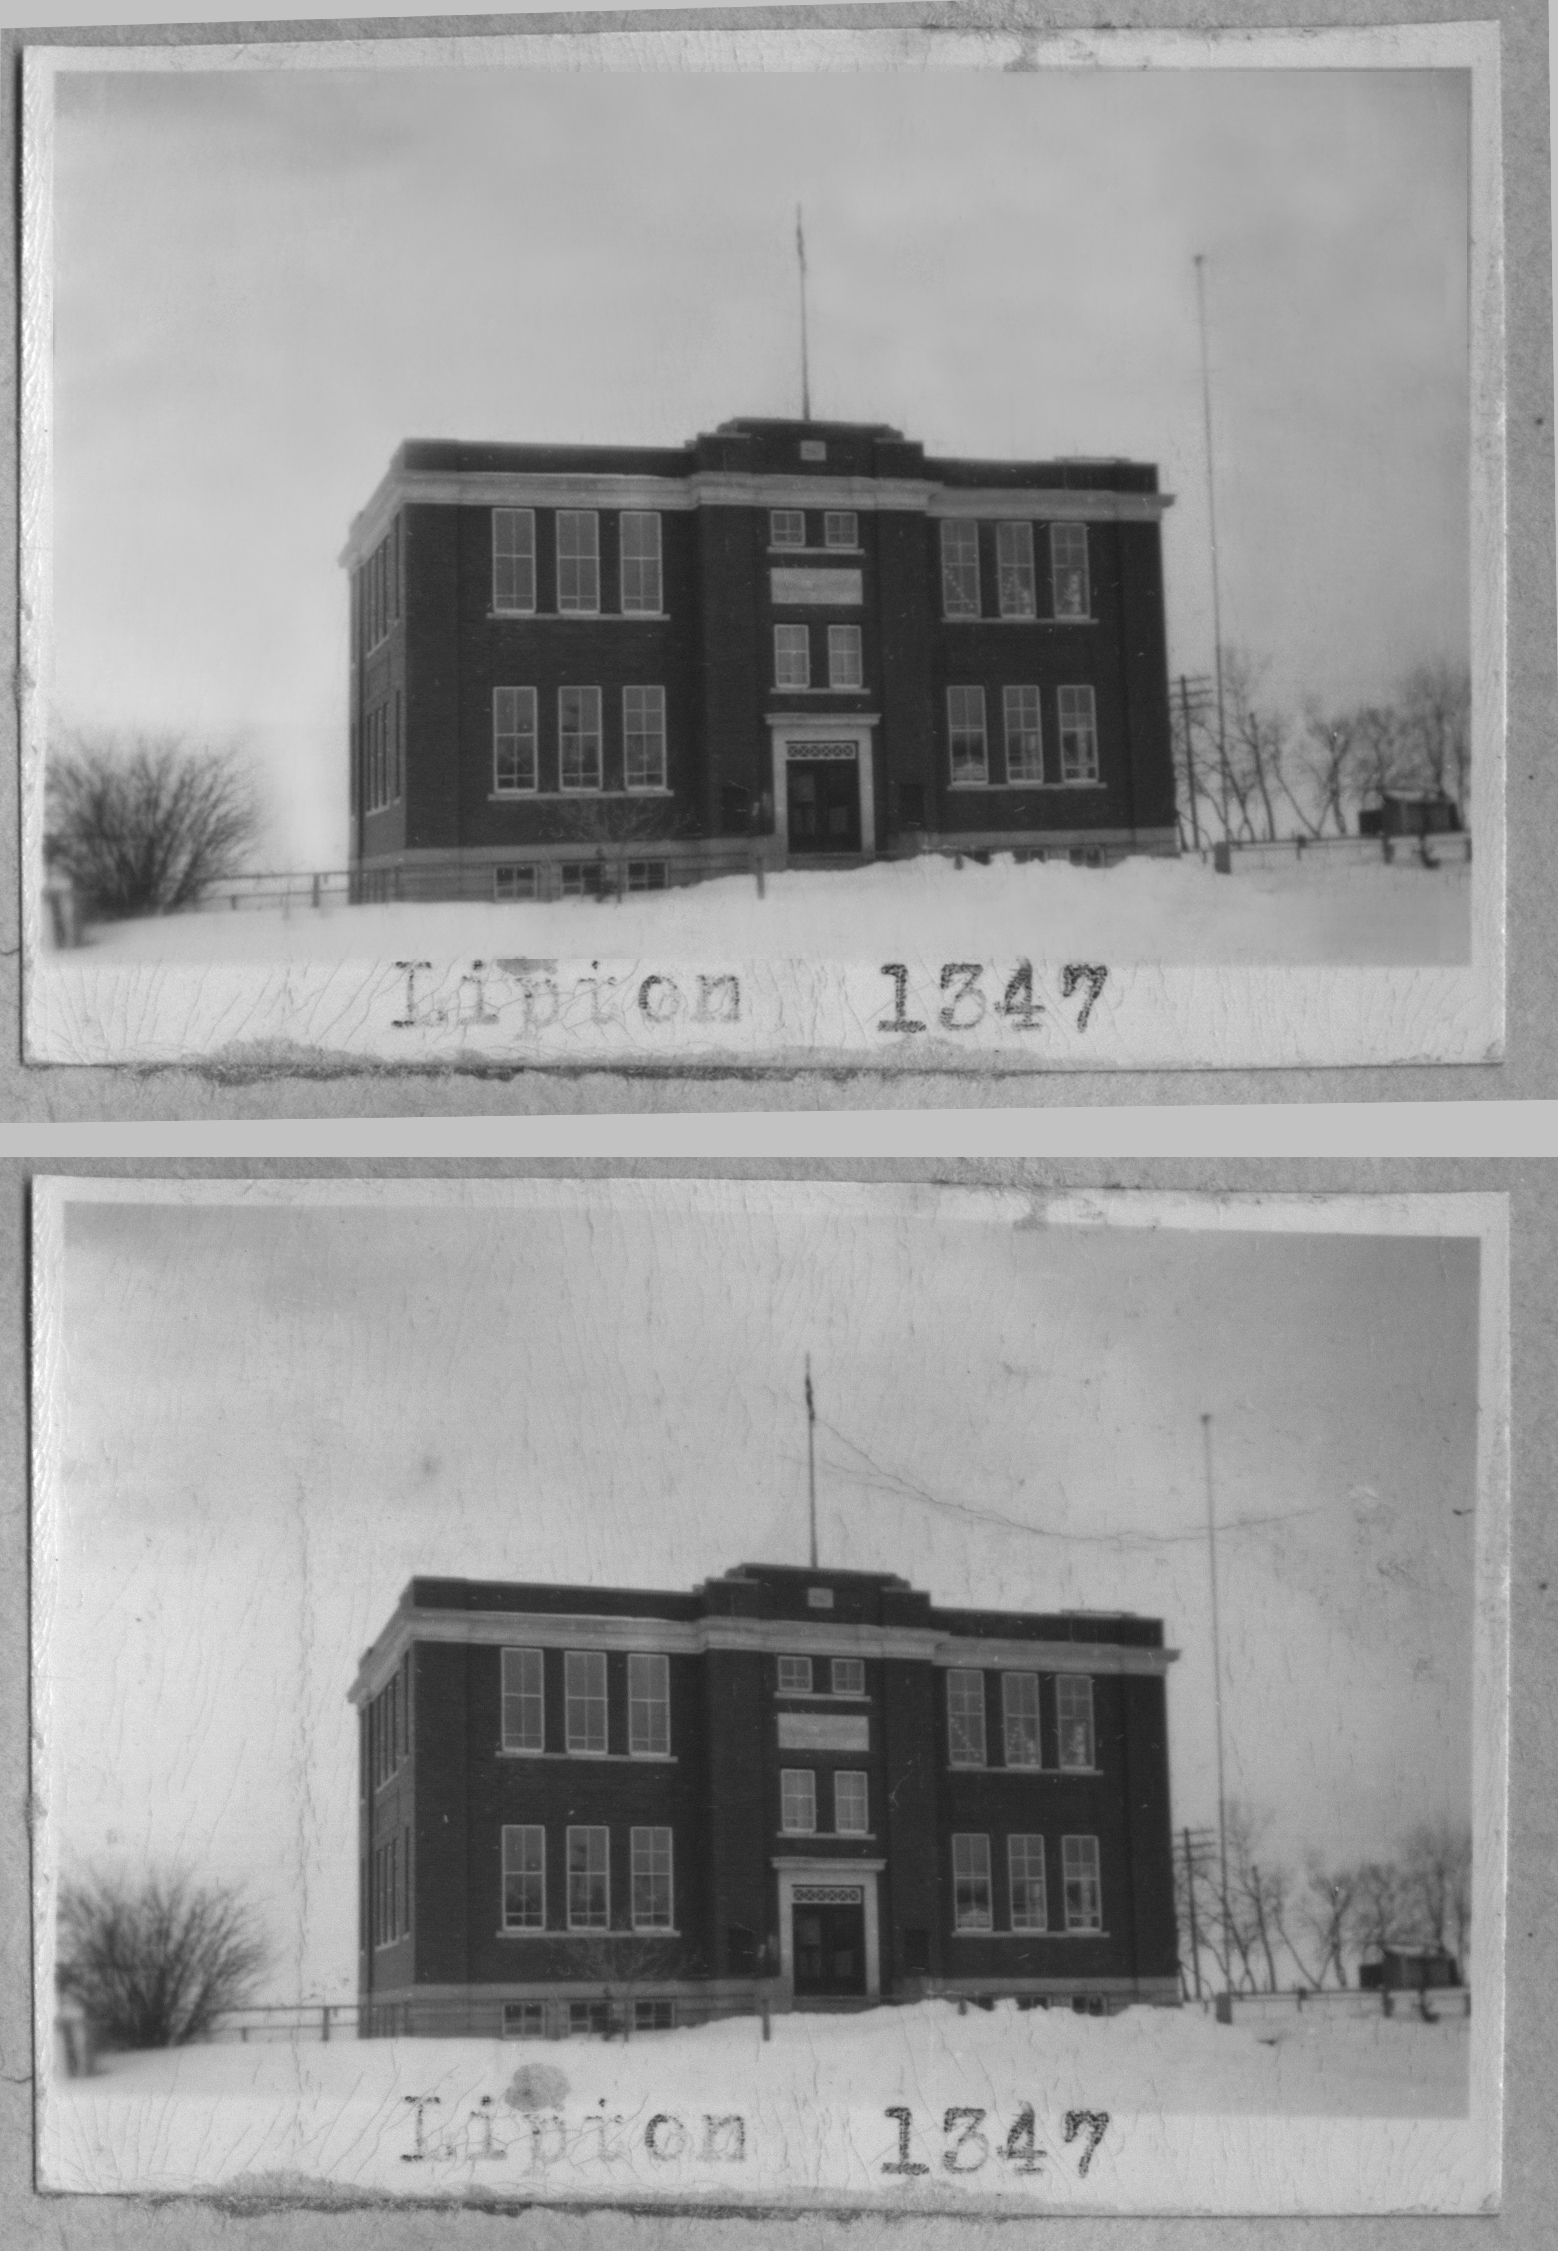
811,1459
1217,1687
1211,511
800,252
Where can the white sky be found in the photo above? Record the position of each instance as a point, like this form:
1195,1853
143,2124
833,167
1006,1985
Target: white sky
272,1419
266,280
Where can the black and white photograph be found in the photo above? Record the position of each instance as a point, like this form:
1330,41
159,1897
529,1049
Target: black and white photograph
729,1692
967,551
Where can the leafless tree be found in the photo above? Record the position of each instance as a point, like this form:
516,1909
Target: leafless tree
619,1963
153,1963
1436,1884
143,826
616,829
1324,1911
1435,717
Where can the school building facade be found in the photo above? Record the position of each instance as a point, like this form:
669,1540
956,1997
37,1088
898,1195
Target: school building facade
793,1788
804,642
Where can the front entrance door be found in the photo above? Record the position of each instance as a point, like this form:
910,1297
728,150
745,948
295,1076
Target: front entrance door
830,1949
824,795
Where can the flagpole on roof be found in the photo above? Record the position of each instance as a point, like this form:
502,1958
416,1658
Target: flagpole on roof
800,253
811,1460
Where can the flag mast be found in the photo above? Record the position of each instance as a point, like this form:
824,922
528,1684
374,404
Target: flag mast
811,1460
800,253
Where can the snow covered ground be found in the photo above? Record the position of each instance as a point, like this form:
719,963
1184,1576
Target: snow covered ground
1143,910
1148,2110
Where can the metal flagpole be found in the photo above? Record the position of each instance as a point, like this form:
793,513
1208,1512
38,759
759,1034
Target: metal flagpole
811,1460
1211,510
1217,1684
800,252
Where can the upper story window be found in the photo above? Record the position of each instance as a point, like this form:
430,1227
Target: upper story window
840,528
578,562
1078,735
1068,570
798,1801
584,1686
649,1707
381,588
1020,1711
966,734
846,665
1025,1869
524,1878
641,591
851,1805
813,449
966,1718
1074,1712
643,738
849,1676
787,527
650,1857
388,1731
524,1701
514,560
959,569
971,1884
795,1676
513,741
792,656
1084,1892
1014,570
578,738
1024,735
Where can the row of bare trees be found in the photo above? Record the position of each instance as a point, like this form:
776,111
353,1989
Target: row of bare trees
1280,1926
1258,771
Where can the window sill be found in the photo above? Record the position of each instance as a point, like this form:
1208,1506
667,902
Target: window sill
982,620
639,1930
1055,1773
1028,1934
828,1836
780,689
596,1758
986,788
570,797
822,1696
578,617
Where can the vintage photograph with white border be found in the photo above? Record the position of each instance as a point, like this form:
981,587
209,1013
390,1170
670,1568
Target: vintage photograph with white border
942,550
747,1693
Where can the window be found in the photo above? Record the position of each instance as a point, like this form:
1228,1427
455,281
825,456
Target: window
971,1884
582,879
513,883
819,1598
797,1801
654,2016
643,736
589,1879
786,527
651,1861
1025,1867
524,2020
813,449
1014,569
845,666
513,740
649,1708
640,565
1074,1711
1078,736
578,738
795,1676
960,570
578,562
590,2016
524,1701
514,560
841,528
1020,1709
851,1805
966,734
381,758
524,1879
792,656
584,1682
379,604
849,1676
966,1718
1068,570
647,875
1084,1899
1024,739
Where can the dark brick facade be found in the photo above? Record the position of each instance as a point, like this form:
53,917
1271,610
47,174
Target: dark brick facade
1068,610
852,1840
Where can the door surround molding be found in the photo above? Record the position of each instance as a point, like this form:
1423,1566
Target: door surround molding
799,1871
787,727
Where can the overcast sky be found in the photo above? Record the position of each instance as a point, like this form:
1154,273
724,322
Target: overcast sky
268,279
271,1419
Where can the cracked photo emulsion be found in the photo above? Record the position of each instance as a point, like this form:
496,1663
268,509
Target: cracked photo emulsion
769,1695
658,548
